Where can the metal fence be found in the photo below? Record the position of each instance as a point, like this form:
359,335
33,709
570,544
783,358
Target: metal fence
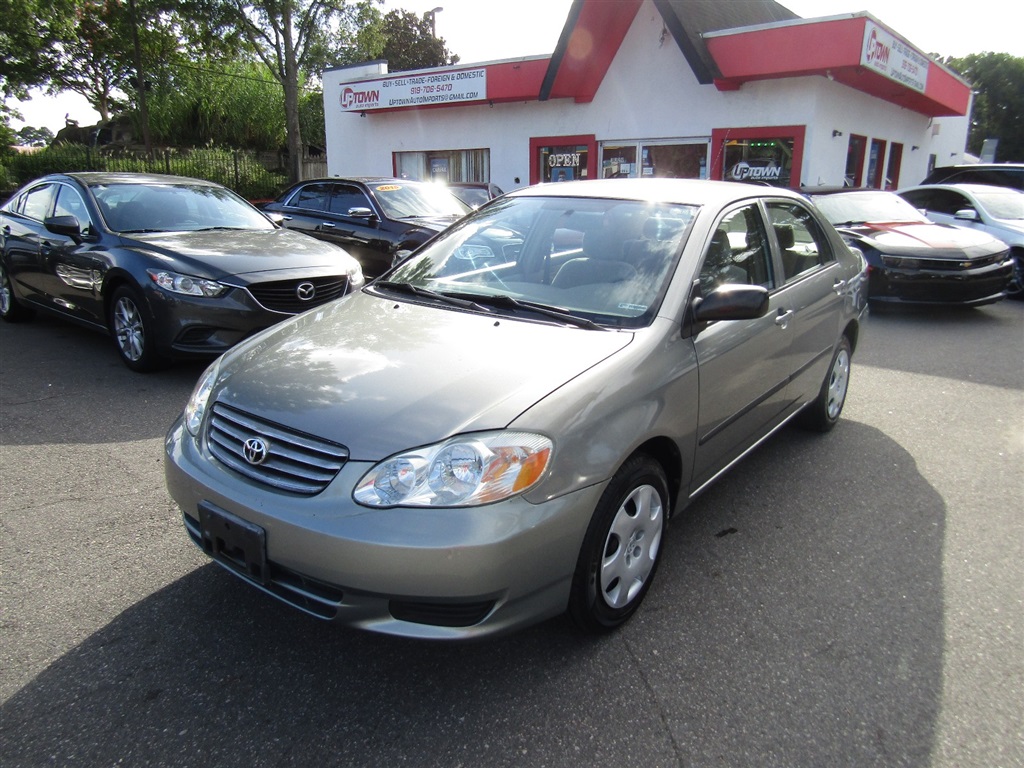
253,175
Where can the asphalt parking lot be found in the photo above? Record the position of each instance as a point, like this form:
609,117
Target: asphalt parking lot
855,599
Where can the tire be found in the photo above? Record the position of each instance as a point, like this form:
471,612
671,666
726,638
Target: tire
823,413
1015,290
11,309
622,548
132,329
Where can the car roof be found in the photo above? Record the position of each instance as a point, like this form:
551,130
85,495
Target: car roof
93,178
368,180
979,167
682,191
973,189
813,191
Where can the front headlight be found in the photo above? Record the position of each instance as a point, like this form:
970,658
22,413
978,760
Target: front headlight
190,286
195,409
462,472
356,279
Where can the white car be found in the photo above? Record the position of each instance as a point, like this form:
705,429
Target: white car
999,211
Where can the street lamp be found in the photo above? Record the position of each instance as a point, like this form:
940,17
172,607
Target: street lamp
432,15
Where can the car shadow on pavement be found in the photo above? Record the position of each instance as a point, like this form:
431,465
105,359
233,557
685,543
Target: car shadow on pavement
797,620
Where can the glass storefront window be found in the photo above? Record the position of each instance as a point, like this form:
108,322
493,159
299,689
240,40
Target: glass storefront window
675,161
618,161
764,160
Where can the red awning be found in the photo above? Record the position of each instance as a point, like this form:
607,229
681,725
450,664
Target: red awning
855,50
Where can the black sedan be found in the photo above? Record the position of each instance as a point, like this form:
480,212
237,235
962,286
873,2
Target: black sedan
913,260
372,218
171,267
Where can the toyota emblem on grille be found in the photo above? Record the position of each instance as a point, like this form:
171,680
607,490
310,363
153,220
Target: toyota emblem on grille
256,450
305,291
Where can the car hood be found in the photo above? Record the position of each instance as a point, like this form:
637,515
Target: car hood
218,254
381,376
937,240
433,223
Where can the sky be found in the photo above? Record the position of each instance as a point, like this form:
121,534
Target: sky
486,30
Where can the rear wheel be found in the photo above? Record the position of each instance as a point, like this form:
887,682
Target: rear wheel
622,548
822,414
132,329
11,309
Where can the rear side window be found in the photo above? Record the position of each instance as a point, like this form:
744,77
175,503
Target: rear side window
312,196
801,240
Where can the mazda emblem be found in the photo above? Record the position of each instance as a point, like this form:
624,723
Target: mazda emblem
305,291
256,450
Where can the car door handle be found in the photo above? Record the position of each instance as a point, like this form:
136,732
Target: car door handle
783,318
838,286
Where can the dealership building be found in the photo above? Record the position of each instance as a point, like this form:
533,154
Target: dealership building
673,88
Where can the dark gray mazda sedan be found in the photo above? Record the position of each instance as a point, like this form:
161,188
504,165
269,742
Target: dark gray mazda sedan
171,267
499,429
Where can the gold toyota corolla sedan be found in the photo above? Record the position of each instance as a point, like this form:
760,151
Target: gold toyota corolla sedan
500,428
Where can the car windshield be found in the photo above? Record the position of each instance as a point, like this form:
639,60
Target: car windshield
174,208
847,208
594,261
471,196
1003,203
412,201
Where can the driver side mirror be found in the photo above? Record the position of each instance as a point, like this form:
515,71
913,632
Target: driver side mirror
731,301
966,214
363,213
69,226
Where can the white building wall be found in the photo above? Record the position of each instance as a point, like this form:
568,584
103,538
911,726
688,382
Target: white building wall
648,93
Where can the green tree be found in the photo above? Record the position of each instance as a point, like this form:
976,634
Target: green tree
410,43
294,38
218,103
30,33
34,137
998,112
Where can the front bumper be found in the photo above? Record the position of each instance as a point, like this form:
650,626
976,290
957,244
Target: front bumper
438,573
197,327
967,287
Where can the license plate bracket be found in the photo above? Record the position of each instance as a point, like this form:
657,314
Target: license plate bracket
234,542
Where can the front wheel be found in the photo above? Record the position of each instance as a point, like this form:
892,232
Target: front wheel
132,330
11,309
622,548
1015,290
822,414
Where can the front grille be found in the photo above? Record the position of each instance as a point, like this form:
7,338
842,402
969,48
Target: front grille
295,462
942,265
283,295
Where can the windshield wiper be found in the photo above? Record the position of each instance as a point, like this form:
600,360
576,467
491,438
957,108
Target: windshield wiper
510,302
426,293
